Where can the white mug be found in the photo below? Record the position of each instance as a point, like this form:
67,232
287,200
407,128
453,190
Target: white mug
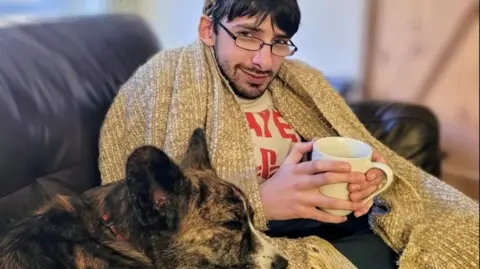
359,155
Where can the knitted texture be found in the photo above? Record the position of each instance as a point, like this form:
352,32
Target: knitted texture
428,222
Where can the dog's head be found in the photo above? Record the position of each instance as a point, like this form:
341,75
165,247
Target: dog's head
199,221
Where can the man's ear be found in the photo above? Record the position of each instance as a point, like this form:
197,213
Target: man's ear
153,181
206,31
196,156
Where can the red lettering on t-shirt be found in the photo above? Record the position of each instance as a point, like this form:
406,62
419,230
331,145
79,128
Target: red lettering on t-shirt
283,127
265,116
253,124
257,126
268,167
259,123
272,171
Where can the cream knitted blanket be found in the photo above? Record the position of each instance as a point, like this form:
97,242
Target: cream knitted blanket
429,223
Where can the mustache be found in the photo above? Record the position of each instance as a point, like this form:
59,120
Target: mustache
258,72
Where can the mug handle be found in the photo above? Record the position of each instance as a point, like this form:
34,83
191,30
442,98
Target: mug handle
387,181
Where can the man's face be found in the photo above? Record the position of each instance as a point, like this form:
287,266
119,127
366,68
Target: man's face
249,72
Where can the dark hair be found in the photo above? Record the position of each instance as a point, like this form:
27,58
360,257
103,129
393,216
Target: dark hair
285,14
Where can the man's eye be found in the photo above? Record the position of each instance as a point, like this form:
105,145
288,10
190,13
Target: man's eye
244,33
233,225
285,42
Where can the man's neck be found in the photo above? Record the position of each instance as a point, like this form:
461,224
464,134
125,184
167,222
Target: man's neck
248,101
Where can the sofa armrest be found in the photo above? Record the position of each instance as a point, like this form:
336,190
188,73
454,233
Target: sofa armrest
412,131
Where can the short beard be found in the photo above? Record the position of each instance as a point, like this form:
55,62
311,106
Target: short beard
242,93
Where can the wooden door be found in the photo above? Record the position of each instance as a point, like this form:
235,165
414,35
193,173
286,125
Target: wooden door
426,52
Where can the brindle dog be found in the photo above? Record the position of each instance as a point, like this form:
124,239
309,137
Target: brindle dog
161,216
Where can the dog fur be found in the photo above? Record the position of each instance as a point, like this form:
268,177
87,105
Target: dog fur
165,215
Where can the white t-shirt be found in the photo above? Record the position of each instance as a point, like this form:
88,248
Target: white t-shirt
272,136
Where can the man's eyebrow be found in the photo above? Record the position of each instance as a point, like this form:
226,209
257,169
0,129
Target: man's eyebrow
249,26
282,36
254,28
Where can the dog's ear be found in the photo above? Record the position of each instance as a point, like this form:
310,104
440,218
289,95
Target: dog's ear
153,181
196,156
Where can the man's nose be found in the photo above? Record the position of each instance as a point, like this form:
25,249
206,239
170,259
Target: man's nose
263,58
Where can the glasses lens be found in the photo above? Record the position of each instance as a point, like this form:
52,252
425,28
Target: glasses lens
251,43
282,49
248,43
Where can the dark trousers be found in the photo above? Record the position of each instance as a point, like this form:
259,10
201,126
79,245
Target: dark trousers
353,238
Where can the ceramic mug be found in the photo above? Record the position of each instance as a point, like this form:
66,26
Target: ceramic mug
359,155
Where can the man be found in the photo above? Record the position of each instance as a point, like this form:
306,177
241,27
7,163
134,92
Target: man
261,111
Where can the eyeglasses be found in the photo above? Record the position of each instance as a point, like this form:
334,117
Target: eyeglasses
253,44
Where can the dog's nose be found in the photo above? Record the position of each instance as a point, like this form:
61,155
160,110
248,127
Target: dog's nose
279,262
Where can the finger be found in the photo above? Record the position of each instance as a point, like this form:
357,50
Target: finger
318,215
297,152
364,184
378,181
364,210
377,157
374,173
320,166
360,185
360,212
358,196
318,180
323,201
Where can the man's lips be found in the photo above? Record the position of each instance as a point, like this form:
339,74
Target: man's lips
255,78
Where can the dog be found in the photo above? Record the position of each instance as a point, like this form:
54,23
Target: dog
162,215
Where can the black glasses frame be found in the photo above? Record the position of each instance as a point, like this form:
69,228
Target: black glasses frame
262,44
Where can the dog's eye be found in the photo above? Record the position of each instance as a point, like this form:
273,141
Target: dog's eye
233,225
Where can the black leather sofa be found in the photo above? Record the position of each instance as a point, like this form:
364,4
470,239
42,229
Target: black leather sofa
57,80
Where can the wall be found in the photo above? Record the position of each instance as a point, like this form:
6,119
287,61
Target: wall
426,52
330,35
47,8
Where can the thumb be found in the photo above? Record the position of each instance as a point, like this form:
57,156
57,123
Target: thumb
298,150
376,157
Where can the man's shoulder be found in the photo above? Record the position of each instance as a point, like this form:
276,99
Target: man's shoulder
299,63
160,66
298,66
166,54
165,58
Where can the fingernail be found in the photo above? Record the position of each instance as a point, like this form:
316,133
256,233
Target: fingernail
371,177
355,187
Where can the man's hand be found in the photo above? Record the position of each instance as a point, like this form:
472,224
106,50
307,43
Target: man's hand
293,192
368,185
